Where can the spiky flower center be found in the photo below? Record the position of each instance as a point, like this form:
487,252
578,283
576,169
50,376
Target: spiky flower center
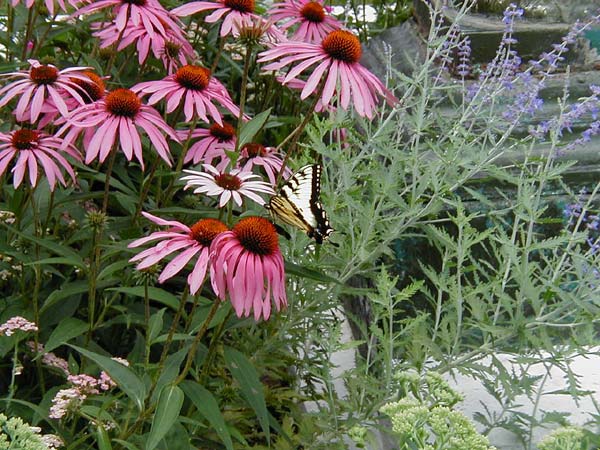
193,77
172,49
123,102
222,133
313,12
342,45
257,235
25,139
135,2
94,88
43,74
243,6
228,181
254,150
205,230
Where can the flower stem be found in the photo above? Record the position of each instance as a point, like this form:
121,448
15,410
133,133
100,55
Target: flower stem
199,336
111,162
145,189
247,60
297,132
215,63
212,348
173,327
186,147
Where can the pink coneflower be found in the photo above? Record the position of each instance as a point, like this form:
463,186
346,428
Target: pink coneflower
92,89
268,158
196,88
247,265
148,13
238,13
232,185
49,4
172,48
31,148
118,116
213,141
192,242
337,57
39,83
312,17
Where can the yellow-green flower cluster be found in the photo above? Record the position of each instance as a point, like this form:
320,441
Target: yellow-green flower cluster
18,435
566,438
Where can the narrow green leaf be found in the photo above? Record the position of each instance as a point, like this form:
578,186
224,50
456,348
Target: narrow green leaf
103,439
126,378
251,128
69,254
66,330
155,325
127,445
169,405
207,406
252,390
305,272
67,290
112,268
154,293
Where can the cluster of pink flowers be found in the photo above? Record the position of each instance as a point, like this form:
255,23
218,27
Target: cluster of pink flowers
245,262
49,358
17,323
82,386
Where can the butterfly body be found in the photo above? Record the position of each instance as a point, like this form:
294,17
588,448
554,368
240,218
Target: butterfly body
298,204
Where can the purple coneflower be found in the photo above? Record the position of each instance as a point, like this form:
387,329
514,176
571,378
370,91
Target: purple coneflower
213,141
337,57
192,242
268,158
39,83
118,116
247,265
232,185
198,90
236,13
31,148
312,17
49,4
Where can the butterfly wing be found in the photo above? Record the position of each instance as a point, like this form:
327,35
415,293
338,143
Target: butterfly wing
298,203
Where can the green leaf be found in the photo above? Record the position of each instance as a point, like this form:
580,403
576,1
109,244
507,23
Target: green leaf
305,272
126,378
66,330
251,128
112,268
170,401
155,325
69,255
252,390
207,406
154,293
127,445
68,289
103,439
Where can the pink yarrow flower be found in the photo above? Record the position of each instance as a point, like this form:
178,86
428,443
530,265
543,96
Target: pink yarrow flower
229,186
337,57
196,88
212,143
191,243
247,265
118,116
39,83
31,148
235,13
17,323
268,158
312,17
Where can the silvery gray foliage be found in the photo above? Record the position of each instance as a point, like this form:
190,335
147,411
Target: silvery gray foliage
486,263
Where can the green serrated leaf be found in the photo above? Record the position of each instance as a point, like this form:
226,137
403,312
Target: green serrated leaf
252,390
167,412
